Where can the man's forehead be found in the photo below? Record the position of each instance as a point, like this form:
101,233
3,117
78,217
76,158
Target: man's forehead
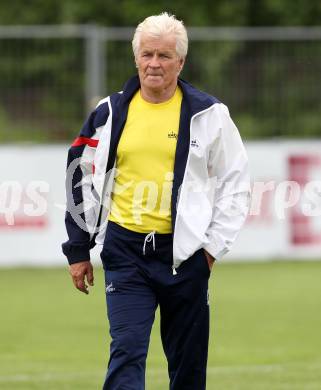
164,42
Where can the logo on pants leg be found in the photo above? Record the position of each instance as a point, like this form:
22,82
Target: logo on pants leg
110,288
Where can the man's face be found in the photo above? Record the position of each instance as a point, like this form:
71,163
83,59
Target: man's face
158,63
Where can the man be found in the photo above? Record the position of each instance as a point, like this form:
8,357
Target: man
159,177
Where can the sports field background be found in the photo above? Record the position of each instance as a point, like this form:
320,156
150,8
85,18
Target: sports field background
265,330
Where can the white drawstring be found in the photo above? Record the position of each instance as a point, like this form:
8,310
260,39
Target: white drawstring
149,237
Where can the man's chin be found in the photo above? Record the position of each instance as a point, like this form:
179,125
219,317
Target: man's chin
155,86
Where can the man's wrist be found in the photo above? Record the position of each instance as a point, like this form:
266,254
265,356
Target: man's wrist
209,256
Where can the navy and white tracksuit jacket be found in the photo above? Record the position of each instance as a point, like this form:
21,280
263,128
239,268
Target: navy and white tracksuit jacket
210,194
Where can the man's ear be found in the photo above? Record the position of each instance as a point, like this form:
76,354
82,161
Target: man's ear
181,64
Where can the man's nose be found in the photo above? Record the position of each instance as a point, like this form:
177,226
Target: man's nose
154,62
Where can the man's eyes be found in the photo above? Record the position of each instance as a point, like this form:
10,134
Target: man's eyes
146,55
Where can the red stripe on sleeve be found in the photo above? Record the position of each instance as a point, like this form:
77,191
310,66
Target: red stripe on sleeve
85,141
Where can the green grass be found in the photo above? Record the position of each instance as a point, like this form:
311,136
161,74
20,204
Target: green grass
265,330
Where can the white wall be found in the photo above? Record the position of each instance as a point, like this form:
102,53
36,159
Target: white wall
283,228
32,180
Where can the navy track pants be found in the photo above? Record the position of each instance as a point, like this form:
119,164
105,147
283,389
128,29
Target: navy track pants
136,283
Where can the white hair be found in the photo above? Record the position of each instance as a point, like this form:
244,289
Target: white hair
159,25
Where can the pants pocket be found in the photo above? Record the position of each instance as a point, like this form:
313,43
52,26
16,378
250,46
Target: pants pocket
117,252
205,262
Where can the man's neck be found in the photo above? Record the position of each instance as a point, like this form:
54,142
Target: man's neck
158,96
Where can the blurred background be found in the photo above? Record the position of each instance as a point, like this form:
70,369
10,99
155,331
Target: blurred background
66,54
262,58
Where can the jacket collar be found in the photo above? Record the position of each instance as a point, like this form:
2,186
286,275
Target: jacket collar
196,100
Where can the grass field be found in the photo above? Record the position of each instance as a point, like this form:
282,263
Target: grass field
265,330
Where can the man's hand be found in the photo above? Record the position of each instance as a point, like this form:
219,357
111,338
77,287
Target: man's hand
210,259
78,271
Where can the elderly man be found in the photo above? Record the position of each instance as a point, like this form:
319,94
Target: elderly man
158,176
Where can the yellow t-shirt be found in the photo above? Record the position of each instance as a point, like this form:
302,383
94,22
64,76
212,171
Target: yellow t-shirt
141,199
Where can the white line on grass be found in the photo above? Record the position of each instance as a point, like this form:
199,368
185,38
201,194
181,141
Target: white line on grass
259,368
47,377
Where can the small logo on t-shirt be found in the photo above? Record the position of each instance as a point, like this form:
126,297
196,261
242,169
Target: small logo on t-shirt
172,135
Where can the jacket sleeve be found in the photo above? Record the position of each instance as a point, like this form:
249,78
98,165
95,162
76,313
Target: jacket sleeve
80,169
228,168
